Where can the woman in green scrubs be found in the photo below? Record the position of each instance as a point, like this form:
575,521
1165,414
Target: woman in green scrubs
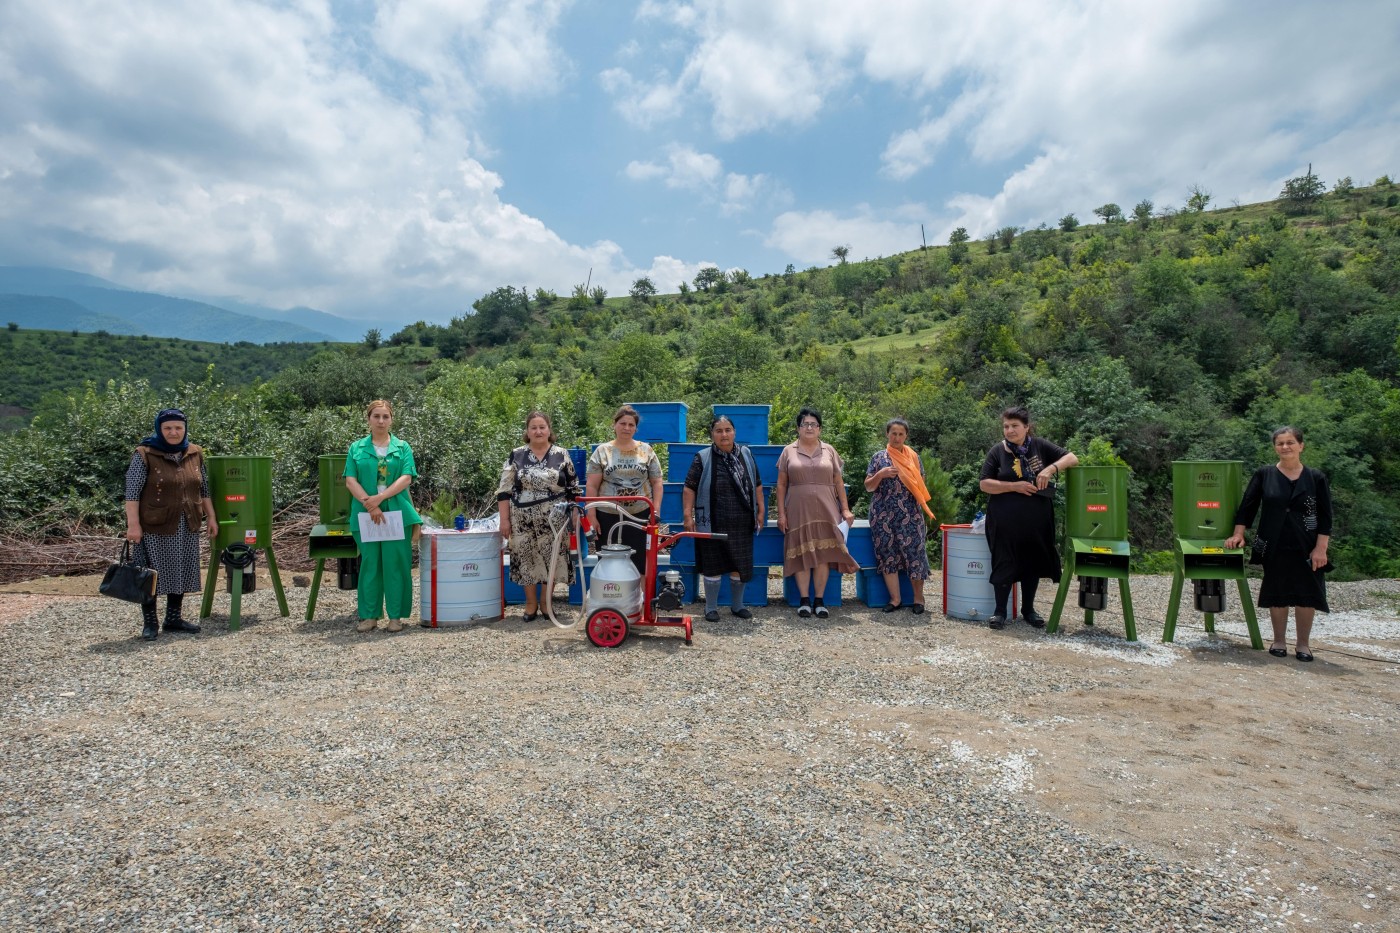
378,471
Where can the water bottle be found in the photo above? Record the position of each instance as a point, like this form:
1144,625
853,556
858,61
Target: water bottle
460,522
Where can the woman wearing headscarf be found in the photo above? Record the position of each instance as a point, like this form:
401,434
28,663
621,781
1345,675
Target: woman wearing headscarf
383,463
1016,477
167,504
535,476
724,495
898,504
1294,531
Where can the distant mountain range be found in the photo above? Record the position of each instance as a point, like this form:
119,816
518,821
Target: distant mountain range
43,298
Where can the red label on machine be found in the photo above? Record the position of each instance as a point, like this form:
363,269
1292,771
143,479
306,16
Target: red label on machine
250,537
1207,505
235,498
1096,508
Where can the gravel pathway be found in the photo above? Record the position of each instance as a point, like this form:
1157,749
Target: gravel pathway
297,776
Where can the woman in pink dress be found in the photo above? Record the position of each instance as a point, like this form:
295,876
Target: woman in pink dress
811,504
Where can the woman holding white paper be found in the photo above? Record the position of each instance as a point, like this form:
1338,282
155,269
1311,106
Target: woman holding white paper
383,463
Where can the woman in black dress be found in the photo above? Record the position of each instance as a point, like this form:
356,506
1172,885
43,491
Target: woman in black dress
1016,477
167,505
1292,540
724,494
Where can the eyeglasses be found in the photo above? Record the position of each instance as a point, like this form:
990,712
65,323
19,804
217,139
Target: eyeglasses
810,424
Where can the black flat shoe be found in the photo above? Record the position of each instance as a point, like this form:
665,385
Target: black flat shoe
712,615
742,612
180,625
1303,654
1034,619
804,611
917,609
996,621
1279,652
892,607
531,616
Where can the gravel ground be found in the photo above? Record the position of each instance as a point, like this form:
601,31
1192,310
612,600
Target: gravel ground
297,776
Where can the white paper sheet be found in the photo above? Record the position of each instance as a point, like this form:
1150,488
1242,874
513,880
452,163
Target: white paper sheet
391,529
845,528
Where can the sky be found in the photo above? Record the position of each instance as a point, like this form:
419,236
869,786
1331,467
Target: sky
395,161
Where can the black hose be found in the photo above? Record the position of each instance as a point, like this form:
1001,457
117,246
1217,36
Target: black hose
238,556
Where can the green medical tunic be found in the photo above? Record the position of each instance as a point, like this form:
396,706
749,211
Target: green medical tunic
386,567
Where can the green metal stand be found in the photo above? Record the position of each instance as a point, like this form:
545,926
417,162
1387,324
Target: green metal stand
1106,559
325,542
315,588
206,607
1198,560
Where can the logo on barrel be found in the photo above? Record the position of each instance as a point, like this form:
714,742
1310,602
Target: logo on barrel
1201,504
975,566
470,569
1206,477
234,472
612,589
1095,484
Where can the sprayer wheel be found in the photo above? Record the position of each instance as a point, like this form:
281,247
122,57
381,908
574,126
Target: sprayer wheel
606,628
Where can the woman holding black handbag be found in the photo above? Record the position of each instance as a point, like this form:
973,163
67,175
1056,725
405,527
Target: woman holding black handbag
167,503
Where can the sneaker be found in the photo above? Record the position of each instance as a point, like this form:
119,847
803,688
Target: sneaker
742,612
804,611
366,625
996,621
394,625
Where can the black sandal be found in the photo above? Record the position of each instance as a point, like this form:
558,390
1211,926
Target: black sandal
1302,654
1279,652
917,609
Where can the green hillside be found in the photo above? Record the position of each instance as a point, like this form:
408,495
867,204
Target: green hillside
1151,337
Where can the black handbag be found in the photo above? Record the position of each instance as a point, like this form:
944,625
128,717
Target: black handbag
127,580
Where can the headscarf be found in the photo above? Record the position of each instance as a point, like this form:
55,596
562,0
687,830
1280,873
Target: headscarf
157,440
907,463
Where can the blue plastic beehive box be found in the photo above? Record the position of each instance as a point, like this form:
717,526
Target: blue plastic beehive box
861,544
750,422
832,596
579,455
871,589
768,546
681,456
672,511
662,422
765,457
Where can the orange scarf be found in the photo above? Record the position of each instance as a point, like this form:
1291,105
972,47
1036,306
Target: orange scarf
907,462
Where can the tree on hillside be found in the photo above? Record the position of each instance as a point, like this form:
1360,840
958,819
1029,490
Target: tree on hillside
373,338
1300,195
640,365
500,316
1007,236
599,294
1109,213
957,245
708,277
1142,213
1068,223
643,290
1197,199
839,253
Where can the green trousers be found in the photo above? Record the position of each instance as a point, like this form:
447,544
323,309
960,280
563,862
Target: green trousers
386,578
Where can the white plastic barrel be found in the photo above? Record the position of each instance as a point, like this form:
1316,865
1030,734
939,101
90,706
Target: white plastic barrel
460,574
967,571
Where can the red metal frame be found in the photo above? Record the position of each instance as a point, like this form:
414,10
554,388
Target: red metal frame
655,545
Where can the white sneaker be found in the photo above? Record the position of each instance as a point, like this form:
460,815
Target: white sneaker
394,625
366,625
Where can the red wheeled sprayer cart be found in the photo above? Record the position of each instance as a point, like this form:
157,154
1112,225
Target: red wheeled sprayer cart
617,597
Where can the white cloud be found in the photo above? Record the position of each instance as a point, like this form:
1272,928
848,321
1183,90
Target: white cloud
686,169
252,157
1122,100
809,236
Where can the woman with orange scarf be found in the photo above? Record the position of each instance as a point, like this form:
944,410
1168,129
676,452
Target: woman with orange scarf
898,506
